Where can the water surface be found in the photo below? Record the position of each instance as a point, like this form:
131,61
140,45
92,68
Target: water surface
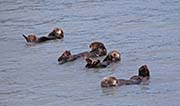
144,31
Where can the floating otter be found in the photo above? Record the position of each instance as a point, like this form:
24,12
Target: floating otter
97,49
143,76
57,33
113,56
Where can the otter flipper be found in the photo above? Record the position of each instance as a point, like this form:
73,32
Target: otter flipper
25,37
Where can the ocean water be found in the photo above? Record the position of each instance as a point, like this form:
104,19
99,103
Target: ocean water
144,31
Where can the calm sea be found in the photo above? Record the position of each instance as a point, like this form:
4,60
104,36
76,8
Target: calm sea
144,31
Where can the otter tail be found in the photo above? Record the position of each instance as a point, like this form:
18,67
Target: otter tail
25,37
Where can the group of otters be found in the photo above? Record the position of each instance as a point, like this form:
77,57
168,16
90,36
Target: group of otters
97,49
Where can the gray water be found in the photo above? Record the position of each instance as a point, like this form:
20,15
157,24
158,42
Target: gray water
144,31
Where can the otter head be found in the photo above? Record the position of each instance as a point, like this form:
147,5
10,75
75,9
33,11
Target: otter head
109,82
144,71
114,56
98,48
57,33
31,38
64,57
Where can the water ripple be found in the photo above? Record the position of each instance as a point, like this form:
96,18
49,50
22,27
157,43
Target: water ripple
144,31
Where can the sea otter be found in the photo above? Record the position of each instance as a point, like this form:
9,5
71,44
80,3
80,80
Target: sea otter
112,57
57,33
97,49
142,77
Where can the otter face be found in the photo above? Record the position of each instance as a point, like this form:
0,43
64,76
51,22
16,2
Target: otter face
64,57
109,82
32,38
114,56
98,48
57,32
144,71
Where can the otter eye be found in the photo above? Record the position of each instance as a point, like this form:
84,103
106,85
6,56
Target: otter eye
114,54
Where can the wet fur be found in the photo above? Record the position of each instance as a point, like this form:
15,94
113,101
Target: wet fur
57,33
142,77
112,57
97,49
